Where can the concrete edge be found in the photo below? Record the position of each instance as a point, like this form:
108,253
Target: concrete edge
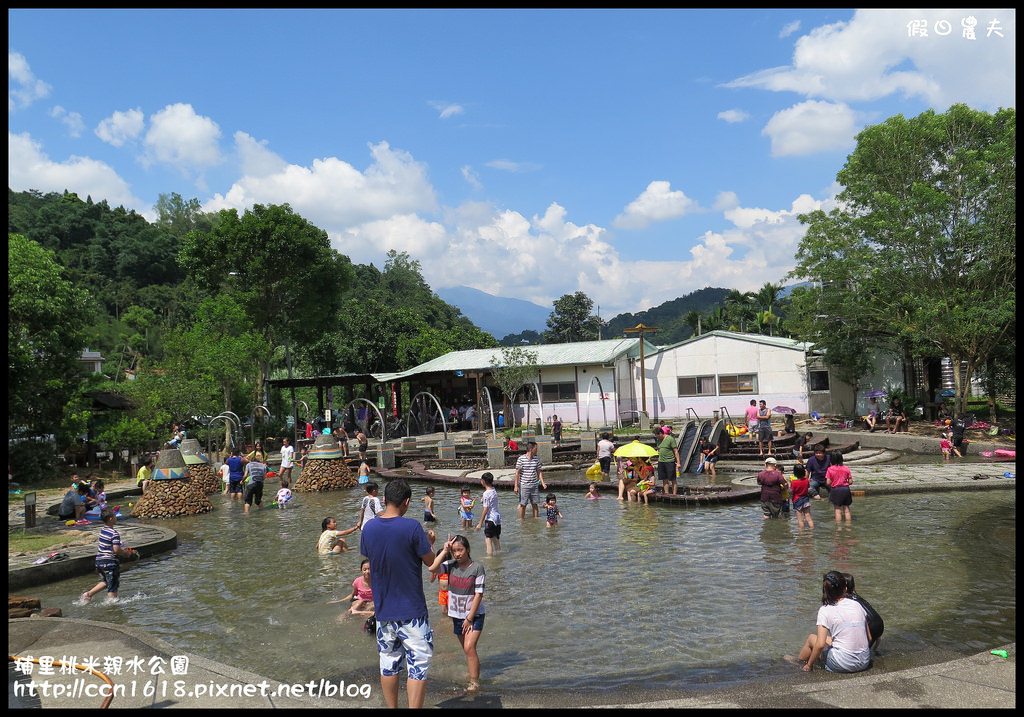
28,576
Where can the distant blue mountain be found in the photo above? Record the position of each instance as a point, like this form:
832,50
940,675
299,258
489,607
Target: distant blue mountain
497,316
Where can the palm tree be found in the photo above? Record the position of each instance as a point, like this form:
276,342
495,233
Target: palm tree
692,319
741,306
766,297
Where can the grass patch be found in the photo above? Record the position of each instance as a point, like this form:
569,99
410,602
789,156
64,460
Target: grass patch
22,541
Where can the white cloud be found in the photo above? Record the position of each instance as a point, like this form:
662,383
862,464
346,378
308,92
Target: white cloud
471,176
72,120
28,167
121,127
507,165
183,139
733,116
255,159
789,29
872,56
657,203
811,127
331,193
28,89
447,109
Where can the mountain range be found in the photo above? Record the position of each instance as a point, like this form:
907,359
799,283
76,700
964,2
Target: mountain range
501,317
496,315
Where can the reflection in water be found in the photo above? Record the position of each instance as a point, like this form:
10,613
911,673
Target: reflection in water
621,591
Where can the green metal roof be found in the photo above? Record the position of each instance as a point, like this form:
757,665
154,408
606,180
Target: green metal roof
581,353
778,341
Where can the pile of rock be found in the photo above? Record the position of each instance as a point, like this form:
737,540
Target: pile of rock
199,468
172,492
29,607
325,468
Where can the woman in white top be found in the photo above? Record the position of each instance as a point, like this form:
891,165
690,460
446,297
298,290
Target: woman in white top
843,639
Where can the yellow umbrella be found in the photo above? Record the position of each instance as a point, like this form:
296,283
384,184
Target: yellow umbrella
636,449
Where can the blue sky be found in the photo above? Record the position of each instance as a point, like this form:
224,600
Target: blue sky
636,155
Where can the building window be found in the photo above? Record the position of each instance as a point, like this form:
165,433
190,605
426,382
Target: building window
696,385
819,380
559,392
737,384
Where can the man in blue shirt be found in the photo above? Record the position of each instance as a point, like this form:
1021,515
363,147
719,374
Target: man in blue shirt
397,548
816,466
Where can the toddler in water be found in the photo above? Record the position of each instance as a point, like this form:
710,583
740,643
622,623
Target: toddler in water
644,489
551,510
284,494
947,447
592,492
466,504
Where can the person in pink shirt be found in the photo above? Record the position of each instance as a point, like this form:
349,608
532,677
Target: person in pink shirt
838,478
752,419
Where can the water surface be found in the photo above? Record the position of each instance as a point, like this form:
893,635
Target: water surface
615,594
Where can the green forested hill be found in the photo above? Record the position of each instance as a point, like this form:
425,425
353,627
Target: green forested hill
670,317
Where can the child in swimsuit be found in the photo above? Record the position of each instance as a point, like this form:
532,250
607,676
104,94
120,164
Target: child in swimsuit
362,594
551,511
592,493
466,509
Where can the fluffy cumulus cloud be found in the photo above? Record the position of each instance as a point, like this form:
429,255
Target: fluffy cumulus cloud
928,55
811,127
121,127
26,87
72,120
28,167
874,55
181,138
657,203
330,192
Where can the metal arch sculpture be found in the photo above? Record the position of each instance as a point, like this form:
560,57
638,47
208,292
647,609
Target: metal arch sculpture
252,426
604,406
440,411
540,408
490,412
226,416
380,417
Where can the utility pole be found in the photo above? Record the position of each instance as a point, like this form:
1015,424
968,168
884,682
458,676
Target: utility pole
640,329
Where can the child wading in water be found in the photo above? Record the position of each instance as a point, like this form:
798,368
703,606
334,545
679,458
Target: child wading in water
490,521
592,492
428,506
551,511
108,552
465,600
361,596
799,485
466,504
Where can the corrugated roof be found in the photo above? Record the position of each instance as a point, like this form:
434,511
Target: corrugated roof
585,353
779,341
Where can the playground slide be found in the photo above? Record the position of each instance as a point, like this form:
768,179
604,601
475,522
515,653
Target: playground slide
687,440
703,432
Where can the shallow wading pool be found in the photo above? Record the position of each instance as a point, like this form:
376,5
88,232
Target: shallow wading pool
617,594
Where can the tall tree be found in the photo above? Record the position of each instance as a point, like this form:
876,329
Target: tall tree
740,305
46,316
180,216
922,244
571,320
511,369
277,266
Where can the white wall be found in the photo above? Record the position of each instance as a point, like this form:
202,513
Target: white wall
781,376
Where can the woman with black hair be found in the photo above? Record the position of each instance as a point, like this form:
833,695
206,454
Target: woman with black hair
843,639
